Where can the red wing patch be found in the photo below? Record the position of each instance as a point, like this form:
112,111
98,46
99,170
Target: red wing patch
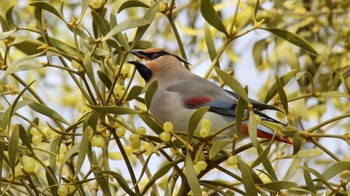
262,134
198,101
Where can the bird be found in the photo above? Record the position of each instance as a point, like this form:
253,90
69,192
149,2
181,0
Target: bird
180,92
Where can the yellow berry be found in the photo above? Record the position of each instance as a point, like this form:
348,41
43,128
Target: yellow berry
265,178
128,150
97,141
202,165
75,64
232,160
62,191
174,151
29,166
280,115
165,136
136,145
197,170
168,126
258,118
63,148
18,170
135,141
204,132
34,131
37,139
134,137
125,69
148,148
141,130
206,123
118,89
115,155
120,131
162,7
71,188
47,131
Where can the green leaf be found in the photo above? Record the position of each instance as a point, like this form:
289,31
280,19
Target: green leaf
194,120
333,94
84,7
284,80
151,90
46,111
101,179
308,180
296,142
48,7
119,110
256,9
89,68
53,149
233,84
71,151
134,92
84,145
217,147
105,79
309,153
6,34
247,178
12,67
150,14
262,155
9,18
6,117
293,167
252,127
319,177
132,4
258,50
240,110
26,67
128,24
275,186
160,173
212,17
51,182
16,104
151,123
282,95
192,176
292,38
38,16
121,180
336,169
142,44
64,47
25,139
100,23
13,146
210,44
29,47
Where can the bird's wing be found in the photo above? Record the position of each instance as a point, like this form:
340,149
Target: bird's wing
256,104
197,93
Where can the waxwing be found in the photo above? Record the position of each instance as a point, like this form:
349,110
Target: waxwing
181,92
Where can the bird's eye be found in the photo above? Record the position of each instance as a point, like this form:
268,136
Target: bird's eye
155,56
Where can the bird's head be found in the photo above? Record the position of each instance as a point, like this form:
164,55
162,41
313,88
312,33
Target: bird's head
154,61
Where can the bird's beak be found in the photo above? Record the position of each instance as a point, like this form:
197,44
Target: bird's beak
139,54
141,67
